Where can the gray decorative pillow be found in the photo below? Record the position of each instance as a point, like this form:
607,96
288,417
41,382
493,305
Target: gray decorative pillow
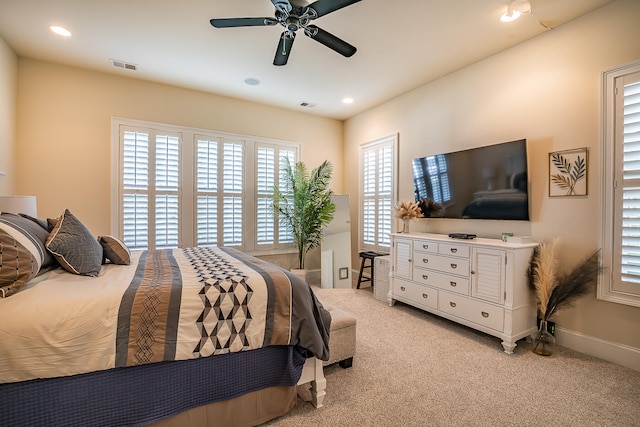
115,250
18,264
33,233
72,244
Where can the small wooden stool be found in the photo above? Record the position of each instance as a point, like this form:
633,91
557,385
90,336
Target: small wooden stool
368,255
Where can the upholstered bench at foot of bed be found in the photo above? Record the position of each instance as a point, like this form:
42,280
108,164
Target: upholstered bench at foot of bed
342,340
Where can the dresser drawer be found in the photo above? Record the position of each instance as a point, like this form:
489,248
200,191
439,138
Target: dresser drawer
474,311
425,246
415,294
459,285
443,264
462,251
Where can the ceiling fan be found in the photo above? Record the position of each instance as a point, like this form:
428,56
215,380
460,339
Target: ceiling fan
294,15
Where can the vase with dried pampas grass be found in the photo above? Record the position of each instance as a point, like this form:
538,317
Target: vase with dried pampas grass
554,291
407,211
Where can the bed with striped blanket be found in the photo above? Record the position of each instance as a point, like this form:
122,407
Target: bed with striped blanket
166,306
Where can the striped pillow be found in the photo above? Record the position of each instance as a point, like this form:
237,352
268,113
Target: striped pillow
24,230
18,264
115,250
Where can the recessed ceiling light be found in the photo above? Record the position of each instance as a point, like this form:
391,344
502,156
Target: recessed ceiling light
61,31
252,82
347,100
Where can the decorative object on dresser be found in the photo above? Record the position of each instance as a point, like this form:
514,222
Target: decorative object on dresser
430,208
407,211
553,291
480,283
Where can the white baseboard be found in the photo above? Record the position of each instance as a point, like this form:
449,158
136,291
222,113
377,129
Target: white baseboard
606,350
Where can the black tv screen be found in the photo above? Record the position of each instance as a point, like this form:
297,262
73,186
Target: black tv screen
480,183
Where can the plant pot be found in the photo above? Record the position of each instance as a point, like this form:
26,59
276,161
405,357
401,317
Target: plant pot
300,272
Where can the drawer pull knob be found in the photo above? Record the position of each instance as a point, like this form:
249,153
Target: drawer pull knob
402,288
485,314
453,284
454,250
425,260
452,304
425,246
425,277
425,296
454,265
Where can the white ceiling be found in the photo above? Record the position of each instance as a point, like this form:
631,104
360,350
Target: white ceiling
402,44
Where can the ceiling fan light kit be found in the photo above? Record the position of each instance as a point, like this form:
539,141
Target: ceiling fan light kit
515,8
294,15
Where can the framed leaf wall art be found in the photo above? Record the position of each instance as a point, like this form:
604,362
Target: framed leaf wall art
568,173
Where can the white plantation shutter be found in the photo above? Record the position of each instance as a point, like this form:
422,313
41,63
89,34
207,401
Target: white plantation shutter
378,185
232,189
628,242
167,218
269,160
620,222
150,189
207,192
187,187
135,182
285,236
265,180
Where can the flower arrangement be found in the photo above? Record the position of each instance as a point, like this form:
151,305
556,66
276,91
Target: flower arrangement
555,291
430,208
407,211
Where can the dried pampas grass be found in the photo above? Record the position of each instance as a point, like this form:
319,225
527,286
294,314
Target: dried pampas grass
554,292
408,210
542,273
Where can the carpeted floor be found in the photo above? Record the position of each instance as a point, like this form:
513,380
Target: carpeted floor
416,369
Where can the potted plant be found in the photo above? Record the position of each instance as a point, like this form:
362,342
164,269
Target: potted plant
302,204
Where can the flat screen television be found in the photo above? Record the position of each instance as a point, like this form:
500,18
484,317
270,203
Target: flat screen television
487,182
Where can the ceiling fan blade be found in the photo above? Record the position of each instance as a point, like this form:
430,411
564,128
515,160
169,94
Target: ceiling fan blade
242,22
282,5
284,48
323,7
330,41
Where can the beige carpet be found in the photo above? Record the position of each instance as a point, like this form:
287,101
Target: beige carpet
416,369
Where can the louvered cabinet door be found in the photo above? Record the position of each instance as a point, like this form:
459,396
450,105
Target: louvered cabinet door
488,274
402,261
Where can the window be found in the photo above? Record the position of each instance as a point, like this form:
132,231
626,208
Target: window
181,187
620,218
377,192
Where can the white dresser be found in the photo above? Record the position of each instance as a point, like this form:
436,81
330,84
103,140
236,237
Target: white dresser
480,283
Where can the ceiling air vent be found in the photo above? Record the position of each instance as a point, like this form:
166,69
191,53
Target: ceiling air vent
307,104
122,64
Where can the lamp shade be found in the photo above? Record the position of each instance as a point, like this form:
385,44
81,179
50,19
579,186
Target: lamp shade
19,204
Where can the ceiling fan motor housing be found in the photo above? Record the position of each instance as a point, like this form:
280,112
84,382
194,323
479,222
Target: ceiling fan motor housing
294,15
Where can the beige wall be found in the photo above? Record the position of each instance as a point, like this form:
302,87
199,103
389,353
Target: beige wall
546,90
8,85
64,132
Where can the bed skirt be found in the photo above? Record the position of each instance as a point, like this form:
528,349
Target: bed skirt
248,410
147,394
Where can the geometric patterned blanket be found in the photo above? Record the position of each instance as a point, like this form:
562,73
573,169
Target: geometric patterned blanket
198,302
166,305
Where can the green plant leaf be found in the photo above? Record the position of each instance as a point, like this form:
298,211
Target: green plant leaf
303,204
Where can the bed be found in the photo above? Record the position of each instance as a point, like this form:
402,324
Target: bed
192,336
